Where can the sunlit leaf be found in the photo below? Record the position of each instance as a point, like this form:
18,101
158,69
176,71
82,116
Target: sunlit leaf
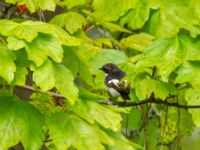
145,87
192,97
136,18
57,76
34,5
71,3
189,72
77,64
85,137
20,122
138,41
7,67
92,111
71,21
42,47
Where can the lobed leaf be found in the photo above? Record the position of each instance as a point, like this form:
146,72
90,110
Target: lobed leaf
20,121
7,67
34,5
72,21
92,111
85,137
57,76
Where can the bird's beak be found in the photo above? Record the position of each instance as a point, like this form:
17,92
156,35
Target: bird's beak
100,68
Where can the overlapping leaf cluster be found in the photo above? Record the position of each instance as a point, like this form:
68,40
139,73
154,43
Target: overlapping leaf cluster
155,42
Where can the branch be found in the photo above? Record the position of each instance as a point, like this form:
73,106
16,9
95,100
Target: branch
121,104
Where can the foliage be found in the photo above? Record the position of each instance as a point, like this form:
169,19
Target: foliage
155,42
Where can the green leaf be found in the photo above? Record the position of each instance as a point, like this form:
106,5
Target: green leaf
20,121
57,76
24,31
15,43
145,87
7,67
172,16
7,26
192,97
111,10
71,3
103,41
34,5
85,137
114,27
120,142
138,41
64,37
85,94
77,64
165,54
21,72
92,111
72,21
42,47
189,72
136,18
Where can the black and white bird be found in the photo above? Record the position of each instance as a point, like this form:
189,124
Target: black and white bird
113,81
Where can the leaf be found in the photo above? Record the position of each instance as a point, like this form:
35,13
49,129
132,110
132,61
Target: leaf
15,43
7,26
145,87
20,121
71,3
34,5
7,67
114,27
111,10
21,72
42,47
85,137
103,41
64,37
25,32
77,64
85,94
189,72
171,17
72,21
190,46
138,41
192,97
136,18
57,75
165,54
92,111
120,142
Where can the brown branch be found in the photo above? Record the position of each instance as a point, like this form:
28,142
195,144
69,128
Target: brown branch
122,104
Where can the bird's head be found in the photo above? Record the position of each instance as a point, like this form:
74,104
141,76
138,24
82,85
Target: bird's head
109,68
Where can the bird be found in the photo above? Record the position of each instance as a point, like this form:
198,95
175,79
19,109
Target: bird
112,80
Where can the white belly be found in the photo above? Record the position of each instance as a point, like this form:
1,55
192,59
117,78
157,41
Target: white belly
113,92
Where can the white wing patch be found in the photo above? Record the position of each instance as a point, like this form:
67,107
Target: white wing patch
114,81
